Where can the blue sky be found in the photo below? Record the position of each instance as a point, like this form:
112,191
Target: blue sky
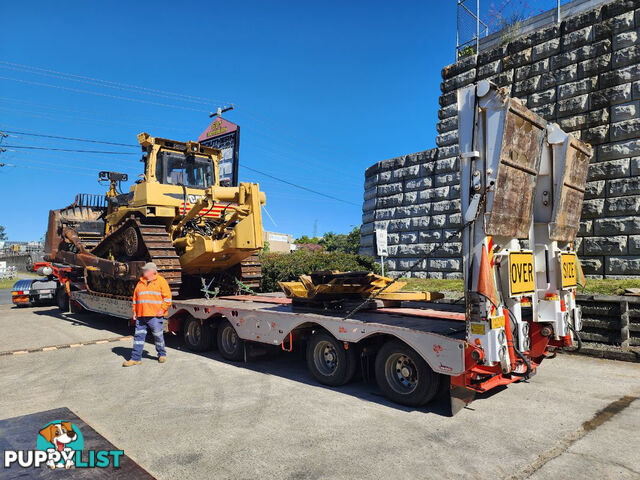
322,91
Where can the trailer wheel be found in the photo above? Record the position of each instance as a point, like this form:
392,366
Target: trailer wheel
230,345
197,336
403,375
62,299
328,361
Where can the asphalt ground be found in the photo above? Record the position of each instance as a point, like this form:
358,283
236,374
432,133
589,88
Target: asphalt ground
198,416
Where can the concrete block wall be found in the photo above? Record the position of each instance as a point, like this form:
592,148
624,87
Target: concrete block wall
583,74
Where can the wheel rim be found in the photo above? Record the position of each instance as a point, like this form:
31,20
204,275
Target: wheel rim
401,373
325,357
229,340
194,332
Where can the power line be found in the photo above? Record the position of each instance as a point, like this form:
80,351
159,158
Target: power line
31,147
71,138
301,187
111,84
107,95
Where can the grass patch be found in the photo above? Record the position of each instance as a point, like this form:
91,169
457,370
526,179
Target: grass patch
594,286
6,283
433,285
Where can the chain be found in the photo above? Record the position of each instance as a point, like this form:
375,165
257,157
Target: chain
418,262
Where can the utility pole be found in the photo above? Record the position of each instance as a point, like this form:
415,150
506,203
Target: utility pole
221,110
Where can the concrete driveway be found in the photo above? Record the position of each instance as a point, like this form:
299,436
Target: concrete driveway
198,416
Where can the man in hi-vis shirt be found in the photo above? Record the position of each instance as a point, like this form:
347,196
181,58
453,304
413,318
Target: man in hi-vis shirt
151,301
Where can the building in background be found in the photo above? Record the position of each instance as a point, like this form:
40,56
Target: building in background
279,242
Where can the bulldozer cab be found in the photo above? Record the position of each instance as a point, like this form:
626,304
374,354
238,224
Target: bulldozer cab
186,164
178,168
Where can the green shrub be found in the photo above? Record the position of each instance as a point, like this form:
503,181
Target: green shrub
287,267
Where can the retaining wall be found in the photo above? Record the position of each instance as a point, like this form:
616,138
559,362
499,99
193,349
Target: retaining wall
584,74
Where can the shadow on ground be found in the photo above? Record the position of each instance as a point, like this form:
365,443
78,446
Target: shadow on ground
263,359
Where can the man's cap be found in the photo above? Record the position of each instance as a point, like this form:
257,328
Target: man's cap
150,266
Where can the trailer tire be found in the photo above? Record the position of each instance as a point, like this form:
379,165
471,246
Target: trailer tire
230,345
62,299
197,335
328,361
403,375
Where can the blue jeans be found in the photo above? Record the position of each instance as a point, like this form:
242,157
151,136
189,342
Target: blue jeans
156,324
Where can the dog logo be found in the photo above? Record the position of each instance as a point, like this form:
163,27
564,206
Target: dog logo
60,440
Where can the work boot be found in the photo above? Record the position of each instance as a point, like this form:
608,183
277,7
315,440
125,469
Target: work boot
162,359
131,363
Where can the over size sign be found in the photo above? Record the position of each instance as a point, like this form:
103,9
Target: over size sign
521,273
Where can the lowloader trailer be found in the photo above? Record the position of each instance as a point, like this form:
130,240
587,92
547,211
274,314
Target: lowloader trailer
522,187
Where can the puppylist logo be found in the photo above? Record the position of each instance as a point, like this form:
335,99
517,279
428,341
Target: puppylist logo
60,444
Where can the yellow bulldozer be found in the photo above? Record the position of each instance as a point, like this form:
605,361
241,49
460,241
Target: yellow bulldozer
201,235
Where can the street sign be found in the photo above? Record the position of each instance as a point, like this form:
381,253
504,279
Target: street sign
381,242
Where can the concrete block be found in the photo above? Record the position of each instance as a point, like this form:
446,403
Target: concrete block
611,96
625,129
418,184
390,189
625,111
624,186
620,75
622,265
447,138
447,165
595,135
541,98
547,111
613,245
609,169
517,59
390,201
577,38
594,189
625,56
625,39
420,223
586,227
448,111
491,68
635,166
622,22
545,49
594,65
458,81
443,179
626,148
527,86
573,105
634,244
581,20
592,208
580,87
447,124
444,264
629,205
592,265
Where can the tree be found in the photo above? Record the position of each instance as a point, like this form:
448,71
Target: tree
306,239
340,242
3,234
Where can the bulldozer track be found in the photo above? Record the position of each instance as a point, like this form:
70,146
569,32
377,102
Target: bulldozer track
160,250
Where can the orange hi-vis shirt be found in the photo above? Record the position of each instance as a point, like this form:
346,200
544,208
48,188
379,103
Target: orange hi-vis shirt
151,296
